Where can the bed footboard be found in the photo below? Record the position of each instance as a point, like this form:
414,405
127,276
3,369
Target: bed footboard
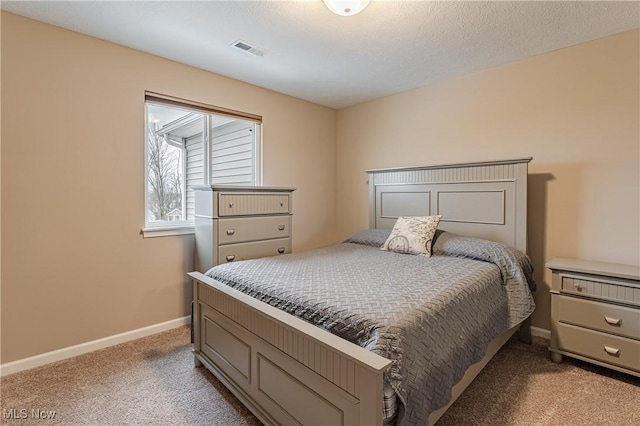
285,370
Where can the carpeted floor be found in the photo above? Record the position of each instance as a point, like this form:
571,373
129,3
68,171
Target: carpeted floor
152,381
522,386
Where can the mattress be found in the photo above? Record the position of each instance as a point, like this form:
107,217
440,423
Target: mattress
432,317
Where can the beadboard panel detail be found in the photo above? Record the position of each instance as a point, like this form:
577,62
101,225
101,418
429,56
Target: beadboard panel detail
331,365
252,204
602,289
448,175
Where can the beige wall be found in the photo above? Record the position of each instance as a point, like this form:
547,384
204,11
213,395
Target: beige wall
74,267
575,111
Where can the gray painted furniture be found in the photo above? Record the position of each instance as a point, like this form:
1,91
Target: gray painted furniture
595,313
241,222
287,371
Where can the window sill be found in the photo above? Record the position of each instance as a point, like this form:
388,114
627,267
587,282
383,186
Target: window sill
167,231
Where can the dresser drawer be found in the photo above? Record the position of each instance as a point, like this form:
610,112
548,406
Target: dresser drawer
603,347
238,204
600,288
243,229
601,316
243,251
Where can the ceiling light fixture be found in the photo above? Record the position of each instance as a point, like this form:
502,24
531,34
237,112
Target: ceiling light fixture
346,7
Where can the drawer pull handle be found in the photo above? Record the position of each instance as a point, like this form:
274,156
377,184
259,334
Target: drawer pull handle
281,250
612,321
578,286
280,227
281,204
231,257
231,231
612,351
230,205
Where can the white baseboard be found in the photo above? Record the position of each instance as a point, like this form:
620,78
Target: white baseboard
541,332
83,348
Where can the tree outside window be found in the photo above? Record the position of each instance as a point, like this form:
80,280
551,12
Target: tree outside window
164,177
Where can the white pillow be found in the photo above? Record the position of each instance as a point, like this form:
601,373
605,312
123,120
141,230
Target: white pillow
412,235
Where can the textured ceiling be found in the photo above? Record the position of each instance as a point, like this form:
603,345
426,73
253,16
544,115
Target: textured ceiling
390,47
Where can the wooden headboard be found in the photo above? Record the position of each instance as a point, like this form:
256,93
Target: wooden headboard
483,200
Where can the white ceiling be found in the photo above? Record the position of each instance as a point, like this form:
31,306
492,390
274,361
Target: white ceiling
390,47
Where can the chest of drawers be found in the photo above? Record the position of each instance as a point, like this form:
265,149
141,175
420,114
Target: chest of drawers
241,222
595,313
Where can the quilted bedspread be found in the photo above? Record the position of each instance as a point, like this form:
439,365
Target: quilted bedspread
432,317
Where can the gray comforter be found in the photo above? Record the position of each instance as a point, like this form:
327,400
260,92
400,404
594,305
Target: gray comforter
432,317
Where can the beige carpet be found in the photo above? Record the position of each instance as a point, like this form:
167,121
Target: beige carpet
152,381
521,386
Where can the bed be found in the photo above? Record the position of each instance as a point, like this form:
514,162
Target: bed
288,371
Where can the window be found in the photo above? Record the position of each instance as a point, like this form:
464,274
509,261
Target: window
190,144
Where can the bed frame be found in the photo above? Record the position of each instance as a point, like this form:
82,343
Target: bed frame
287,371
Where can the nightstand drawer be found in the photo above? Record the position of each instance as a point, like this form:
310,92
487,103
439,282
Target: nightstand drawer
238,204
605,317
243,229
603,347
605,288
244,251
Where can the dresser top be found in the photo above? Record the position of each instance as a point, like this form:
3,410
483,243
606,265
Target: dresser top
617,270
236,188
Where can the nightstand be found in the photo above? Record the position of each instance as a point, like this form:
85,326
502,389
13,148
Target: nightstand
595,313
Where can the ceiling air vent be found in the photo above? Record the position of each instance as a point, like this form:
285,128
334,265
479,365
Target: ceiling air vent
243,45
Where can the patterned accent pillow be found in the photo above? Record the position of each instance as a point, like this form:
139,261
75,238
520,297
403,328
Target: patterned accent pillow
412,235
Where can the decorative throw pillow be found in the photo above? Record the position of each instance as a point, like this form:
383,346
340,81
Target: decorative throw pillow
412,235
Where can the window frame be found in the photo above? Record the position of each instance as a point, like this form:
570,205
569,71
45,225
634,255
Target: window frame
185,227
